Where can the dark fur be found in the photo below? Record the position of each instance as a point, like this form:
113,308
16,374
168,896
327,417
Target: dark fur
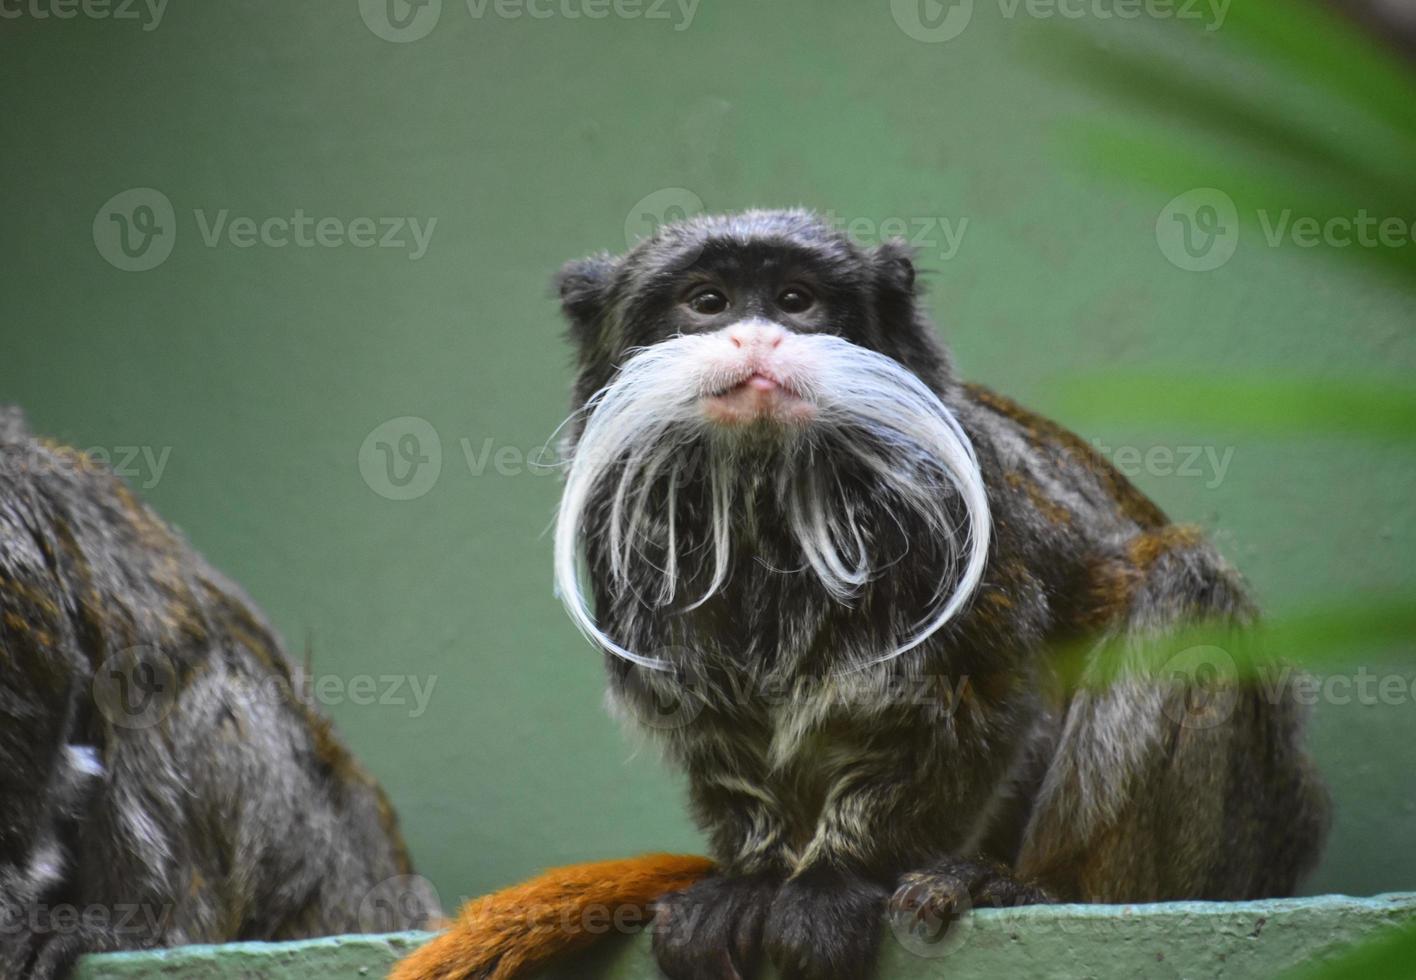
238,815
1071,778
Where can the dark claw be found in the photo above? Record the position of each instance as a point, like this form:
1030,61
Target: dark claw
929,901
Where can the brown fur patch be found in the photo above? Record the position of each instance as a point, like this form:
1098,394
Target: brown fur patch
1043,431
1048,508
1114,578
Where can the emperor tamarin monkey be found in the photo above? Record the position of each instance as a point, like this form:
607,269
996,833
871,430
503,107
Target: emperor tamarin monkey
164,778
857,577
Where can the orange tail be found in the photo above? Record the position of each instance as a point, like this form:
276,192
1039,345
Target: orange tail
506,934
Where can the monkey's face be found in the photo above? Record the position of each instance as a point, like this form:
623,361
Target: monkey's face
749,362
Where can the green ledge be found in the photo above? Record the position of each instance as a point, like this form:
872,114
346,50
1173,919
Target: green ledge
1220,940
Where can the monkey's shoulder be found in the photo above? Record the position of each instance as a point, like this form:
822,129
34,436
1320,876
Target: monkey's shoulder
1068,515
79,549
1065,478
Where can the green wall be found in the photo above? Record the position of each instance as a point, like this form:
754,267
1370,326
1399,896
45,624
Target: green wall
531,140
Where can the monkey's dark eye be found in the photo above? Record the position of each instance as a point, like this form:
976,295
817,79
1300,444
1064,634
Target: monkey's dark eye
795,299
708,302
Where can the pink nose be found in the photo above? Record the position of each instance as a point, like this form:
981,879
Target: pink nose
764,336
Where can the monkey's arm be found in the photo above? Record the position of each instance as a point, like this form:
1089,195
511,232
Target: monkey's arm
1163,783
1179,772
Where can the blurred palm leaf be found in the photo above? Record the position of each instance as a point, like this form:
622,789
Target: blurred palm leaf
1389,955
1344,143
1258,405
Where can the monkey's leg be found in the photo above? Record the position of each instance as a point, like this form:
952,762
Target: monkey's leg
1179,771
712,930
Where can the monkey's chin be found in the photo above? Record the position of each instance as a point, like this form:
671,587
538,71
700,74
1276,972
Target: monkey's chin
758,400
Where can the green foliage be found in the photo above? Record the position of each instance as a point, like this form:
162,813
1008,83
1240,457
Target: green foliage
1333,137
1343,144
1389,955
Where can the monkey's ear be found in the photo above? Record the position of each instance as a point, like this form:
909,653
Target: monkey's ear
584,288
894,268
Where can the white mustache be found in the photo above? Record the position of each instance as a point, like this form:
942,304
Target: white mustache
866,404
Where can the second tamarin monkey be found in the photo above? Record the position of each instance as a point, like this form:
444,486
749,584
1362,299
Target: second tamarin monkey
165,776
854,576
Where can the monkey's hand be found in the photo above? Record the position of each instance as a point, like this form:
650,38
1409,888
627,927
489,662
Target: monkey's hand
825,925
929,901
713,930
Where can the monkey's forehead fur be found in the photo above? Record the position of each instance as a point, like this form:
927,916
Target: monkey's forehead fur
678,246
791,227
